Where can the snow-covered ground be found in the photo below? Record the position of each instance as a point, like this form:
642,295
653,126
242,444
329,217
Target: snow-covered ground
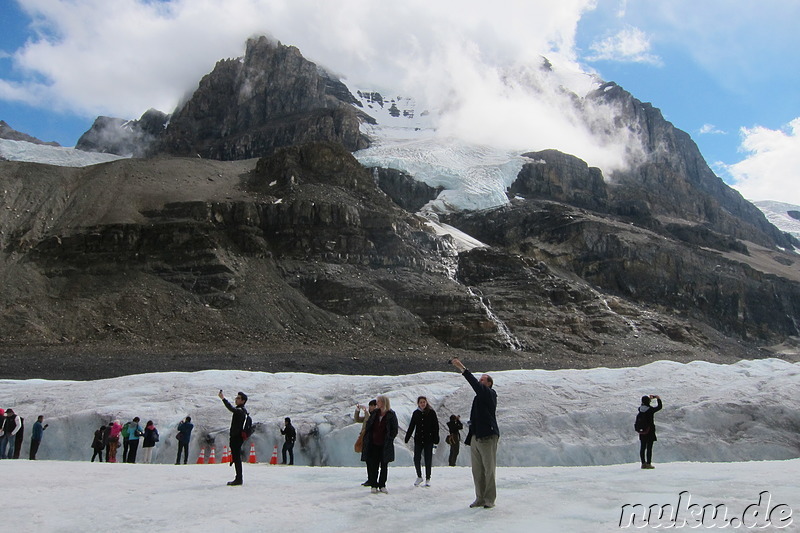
57,496
568,454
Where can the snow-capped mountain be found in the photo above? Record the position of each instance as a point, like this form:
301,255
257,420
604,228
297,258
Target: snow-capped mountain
786,217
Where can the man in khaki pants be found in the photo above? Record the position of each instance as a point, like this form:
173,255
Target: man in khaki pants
482,436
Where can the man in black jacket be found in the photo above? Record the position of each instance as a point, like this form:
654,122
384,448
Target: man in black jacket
482,436
290,436
236,436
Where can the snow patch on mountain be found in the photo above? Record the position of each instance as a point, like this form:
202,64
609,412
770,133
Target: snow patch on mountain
778,214
51,155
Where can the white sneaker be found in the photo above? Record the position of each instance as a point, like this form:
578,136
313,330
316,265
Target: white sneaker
383,490
418,481
374,490
427,482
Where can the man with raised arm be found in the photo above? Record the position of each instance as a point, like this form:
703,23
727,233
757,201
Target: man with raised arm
236,437
482,436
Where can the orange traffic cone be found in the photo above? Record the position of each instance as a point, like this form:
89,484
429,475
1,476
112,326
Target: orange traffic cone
253,459
274,459
226,456
202,458
212,460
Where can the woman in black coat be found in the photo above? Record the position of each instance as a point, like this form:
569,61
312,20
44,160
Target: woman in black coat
378,448
646,428
424,426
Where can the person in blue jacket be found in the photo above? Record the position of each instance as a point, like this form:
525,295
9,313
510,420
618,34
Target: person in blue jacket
134,432
36,436
482,436
184,436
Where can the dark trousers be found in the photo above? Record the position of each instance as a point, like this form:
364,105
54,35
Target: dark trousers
34,448
646,451
125,446
133,445
419,448
182,446
288,447
236,456
453,453
375,463
98,453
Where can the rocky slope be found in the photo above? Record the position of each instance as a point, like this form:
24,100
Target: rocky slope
303,259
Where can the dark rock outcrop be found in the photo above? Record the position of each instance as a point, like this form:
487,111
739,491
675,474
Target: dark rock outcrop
404,190
129,138
271,98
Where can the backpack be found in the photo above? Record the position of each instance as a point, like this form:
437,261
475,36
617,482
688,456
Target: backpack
247,427
641,424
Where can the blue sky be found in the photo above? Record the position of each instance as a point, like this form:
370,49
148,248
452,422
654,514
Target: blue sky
725,71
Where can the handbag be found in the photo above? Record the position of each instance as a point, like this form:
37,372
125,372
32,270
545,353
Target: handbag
359,445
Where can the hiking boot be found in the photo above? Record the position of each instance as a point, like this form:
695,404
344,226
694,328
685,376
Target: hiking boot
476,503
647,466
417,482
365,484
374,490
383,490
234,482
488,505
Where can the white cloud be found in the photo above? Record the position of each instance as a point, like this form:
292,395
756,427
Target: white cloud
479,62
772,166
710,129
629,45
125,56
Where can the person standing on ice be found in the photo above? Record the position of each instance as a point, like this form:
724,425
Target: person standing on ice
290,435
97,444
482,437
37,433
361,416
8,434
646,428
424,426
134,432
113,442
150,439
237,427
184,436
378,448
454,427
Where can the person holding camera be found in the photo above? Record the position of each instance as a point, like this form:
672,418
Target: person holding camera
236,438
482,437
646,428
454,427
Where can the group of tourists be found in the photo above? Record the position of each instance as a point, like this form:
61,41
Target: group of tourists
12,428
379,429
375,442
108,437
